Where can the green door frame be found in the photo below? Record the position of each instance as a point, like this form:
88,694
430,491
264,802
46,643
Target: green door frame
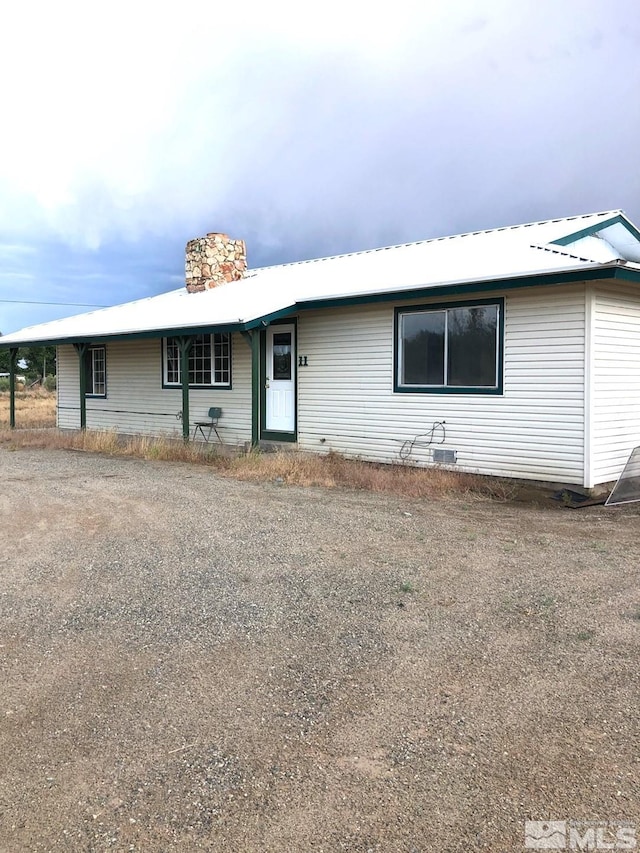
272,435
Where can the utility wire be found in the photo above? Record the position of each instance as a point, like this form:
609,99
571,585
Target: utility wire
67,304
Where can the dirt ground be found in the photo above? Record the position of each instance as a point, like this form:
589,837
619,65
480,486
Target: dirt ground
195,663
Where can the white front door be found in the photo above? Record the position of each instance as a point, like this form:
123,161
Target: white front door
280,379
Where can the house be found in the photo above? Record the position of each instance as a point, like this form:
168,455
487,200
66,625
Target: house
511,352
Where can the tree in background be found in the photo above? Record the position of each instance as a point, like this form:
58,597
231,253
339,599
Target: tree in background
35,362
4,359
40,362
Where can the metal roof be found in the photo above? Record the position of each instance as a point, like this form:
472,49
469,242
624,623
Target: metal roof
569,245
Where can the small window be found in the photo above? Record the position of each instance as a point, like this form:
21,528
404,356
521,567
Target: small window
454,348
282,355
97,372
209,361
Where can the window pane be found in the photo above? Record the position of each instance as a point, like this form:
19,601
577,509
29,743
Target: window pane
96,371
282,355
209,360
222,359
423,348
173,361
472,346
200,361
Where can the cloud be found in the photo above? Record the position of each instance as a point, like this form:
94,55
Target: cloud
12,250
135,127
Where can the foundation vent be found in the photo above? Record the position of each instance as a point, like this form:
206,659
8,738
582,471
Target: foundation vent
445,457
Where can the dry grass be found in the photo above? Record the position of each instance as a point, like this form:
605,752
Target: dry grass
108,442
292,468
35,409
333,470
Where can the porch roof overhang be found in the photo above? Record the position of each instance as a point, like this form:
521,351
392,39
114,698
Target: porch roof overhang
98,326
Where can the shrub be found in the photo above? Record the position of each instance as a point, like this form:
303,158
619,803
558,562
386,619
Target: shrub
5,384
50,382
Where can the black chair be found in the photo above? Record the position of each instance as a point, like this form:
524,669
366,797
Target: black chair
215,413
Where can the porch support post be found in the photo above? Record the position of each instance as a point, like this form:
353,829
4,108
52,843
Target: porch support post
185,348
82,350
252,338
13,360
255,387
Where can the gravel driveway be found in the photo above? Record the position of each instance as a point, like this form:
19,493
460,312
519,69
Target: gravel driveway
195,663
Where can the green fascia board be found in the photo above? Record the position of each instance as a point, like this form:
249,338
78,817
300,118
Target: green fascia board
149,334
594,229
153,334
545,279
267,319
627,274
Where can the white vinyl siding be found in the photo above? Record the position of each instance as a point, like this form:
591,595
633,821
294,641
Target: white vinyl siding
556,338
136,402
534,430
615,403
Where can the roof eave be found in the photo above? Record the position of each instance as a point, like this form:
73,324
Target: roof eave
593,272
614,269
618,219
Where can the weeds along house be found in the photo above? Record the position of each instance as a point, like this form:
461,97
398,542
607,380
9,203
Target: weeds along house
512,352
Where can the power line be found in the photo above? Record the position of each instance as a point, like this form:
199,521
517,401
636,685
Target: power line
64,304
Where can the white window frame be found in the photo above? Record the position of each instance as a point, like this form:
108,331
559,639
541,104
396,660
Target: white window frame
219,365
95,387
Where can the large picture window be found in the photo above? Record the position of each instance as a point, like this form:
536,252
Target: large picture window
209,361
97,372
455,347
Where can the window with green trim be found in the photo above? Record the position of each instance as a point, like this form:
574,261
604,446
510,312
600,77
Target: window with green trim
209,361
454,347
97,372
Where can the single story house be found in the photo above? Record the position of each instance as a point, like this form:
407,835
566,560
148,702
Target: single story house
511,352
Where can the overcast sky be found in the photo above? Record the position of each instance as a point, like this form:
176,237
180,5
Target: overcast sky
307,129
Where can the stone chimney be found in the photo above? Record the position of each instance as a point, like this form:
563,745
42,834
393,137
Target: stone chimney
214,260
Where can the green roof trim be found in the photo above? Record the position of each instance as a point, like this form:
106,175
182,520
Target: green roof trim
601,273
153,334
261,322
546,279
149,334
594,229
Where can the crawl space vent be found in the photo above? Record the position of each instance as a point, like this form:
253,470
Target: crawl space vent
446,457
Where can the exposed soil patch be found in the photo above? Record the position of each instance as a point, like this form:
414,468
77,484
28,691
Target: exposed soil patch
195,663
